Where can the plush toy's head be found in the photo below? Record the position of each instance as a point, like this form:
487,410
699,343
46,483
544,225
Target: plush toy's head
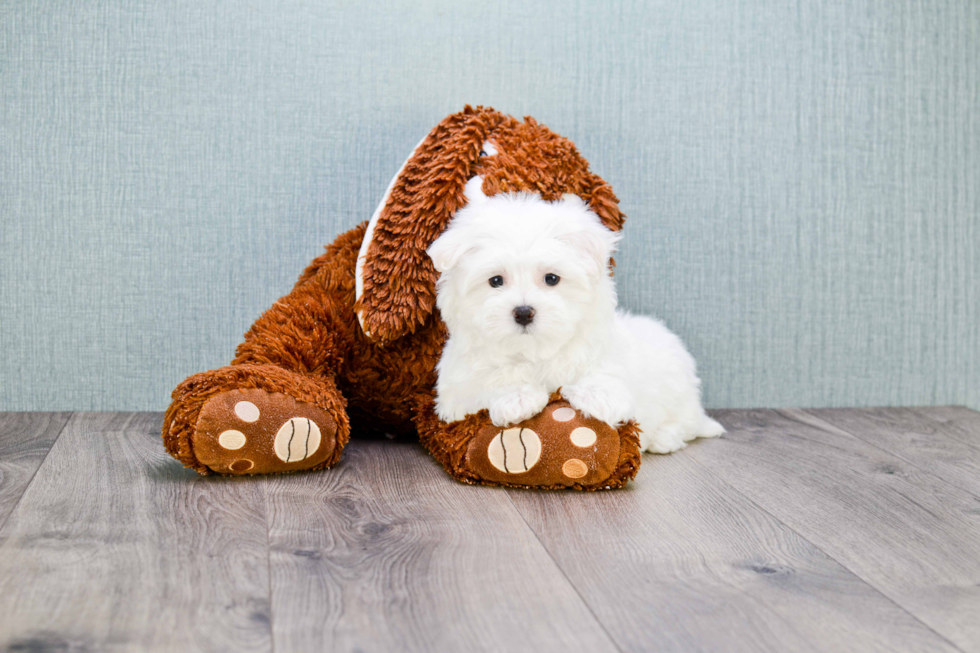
493,153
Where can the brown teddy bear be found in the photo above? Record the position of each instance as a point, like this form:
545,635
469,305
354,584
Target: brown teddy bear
355,344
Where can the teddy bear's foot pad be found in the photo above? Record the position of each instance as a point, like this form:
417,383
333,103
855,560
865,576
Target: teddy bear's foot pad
558,448
258,432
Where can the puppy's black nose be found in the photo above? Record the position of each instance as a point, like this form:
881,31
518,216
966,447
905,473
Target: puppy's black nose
524,315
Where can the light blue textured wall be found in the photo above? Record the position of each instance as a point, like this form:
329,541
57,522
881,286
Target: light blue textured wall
802,177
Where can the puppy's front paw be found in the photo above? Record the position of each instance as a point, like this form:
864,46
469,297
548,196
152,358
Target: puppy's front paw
518,406
611,405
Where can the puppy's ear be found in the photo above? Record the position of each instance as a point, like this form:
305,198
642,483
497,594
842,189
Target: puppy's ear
395,280
596,242
448,249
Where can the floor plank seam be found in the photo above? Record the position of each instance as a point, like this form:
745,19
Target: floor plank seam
562,572
829,556
268,562
13,508
827,425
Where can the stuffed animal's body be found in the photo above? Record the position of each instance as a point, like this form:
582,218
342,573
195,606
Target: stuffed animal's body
355,344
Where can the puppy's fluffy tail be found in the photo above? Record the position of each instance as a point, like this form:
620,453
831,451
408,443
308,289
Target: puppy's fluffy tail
709,428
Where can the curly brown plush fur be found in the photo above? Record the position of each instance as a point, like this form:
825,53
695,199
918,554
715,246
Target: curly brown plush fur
362,355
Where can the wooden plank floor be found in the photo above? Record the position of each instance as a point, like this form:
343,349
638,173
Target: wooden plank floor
820,530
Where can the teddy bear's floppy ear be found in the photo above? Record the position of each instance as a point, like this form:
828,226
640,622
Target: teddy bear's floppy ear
603,202
395,279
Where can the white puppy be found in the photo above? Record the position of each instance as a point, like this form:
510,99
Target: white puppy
530,303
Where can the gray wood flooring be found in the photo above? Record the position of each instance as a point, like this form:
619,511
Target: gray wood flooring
799,530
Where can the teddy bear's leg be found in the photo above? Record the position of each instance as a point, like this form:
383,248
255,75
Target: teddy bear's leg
255,419
556,449
276,408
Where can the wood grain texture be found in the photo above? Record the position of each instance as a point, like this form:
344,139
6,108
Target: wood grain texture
797,531
958,422
906,532
386,552
115,546
682,562
944,441
25,439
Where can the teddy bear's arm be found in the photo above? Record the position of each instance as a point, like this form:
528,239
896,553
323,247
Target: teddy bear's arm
313,328
307,331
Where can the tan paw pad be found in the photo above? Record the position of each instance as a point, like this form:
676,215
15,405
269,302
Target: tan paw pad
247,411
232,439
515,451
563,414
574,468
297,440
242,465
583,436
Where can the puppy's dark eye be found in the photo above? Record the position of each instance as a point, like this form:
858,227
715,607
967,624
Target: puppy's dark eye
497,281
483,153
552,279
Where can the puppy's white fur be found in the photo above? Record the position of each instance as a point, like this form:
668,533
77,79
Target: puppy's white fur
609,364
